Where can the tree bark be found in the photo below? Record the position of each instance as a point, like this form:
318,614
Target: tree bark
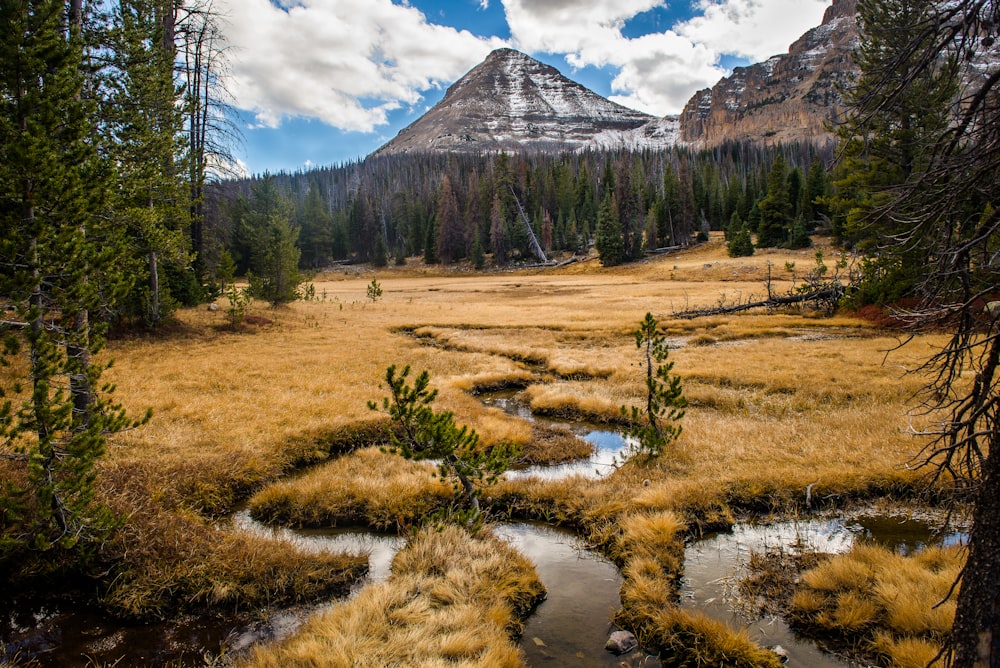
154,287
975,636
76,14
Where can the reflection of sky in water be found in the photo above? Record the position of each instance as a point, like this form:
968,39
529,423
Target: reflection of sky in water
379,548
608,446
713,565
571,626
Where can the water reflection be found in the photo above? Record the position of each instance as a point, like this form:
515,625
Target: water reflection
609,448
571,626
713,566
378,547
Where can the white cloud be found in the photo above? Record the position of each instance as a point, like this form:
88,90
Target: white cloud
346,62
755,29
350,63
659,72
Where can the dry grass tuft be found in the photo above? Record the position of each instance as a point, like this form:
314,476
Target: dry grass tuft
170,559
908,652
452,600
653,535
368,488
693,639
894,603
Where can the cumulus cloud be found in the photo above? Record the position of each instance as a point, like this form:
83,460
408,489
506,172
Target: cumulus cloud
755,29
349,63
345,62
658,72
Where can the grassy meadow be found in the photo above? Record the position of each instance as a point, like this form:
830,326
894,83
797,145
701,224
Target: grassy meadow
779,403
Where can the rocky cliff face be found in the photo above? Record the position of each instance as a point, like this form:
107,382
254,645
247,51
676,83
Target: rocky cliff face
786,98
511,101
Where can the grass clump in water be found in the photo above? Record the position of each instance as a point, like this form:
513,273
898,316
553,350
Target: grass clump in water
880,602
454,599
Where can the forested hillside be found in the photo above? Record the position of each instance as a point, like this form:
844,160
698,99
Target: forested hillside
448,208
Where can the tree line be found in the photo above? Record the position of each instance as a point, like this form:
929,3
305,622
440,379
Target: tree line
501,209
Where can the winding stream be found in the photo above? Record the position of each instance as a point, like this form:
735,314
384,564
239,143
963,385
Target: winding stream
568,629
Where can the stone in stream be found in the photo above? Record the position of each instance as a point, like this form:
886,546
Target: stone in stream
781,652
621,642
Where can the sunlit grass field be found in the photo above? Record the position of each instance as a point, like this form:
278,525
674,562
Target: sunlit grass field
781,404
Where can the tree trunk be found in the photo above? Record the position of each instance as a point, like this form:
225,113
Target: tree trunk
154,287
79,381
168,20
76,14
975,636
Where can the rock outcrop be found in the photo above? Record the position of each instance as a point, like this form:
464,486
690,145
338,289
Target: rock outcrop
789,97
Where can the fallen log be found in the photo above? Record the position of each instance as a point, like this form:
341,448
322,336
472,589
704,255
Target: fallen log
828,295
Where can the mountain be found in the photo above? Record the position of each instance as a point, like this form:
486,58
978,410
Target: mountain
790,97
511,101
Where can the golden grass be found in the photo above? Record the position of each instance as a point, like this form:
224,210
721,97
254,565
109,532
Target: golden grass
908,652
778,402
452,600
900,606
367,488
168,557
693,639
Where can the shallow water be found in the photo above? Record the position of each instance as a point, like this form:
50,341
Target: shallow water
571,626
380,548
713,565
61,635
609,446
568,629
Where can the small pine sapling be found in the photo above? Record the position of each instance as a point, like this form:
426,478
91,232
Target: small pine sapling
420,433
652,429
374,291
240,301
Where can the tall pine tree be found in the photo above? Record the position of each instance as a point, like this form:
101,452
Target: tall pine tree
60,266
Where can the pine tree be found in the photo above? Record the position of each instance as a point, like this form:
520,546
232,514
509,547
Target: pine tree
421,433
274,256
145,121
775,208
498,232
608,241
657,425
477,255
738,243
451,233
814,208
60,265
317,229
884,149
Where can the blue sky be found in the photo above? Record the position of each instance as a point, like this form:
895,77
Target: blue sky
320,82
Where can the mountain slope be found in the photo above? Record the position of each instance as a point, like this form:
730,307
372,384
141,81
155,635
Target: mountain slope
511,101
790,97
